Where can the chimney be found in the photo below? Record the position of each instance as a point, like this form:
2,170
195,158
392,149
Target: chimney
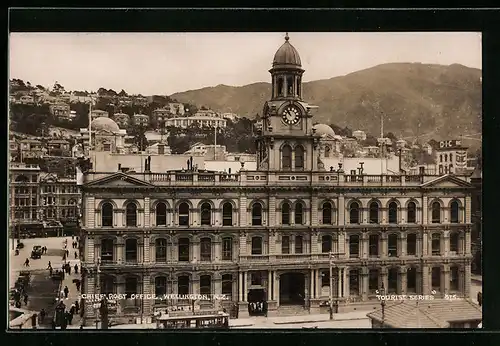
229,170
149,163
119,167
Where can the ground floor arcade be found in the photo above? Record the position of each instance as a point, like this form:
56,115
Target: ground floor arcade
307,288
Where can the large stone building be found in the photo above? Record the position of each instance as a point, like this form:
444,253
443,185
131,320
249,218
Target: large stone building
268,234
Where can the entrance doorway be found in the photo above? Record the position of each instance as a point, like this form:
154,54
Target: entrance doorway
292,289
257,302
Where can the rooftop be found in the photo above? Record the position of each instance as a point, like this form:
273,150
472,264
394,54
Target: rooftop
438,313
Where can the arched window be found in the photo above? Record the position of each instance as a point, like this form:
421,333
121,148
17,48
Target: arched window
256,246
436,279
227,214
227,286
131,215
454,212
131,250
107,285
107,253
205,284
285,214
436,244
299,214
326,243
257,214
354,213
393,212
454,278
161,250
183,249
374,211
441,158
411,216
411,244
206,214
436,212
454,242
280,86
392,280
451,157
227,249
131,284
289,84
327,213
184,214
160,286
286,157
206,249
161,214
411,280
392,244
107,215
327,151
354,246
299,157
183,285
445,157
373,245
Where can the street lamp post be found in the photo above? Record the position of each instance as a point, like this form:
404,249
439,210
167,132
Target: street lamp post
382,303
333,303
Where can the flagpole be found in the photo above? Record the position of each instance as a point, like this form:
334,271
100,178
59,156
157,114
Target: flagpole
215,141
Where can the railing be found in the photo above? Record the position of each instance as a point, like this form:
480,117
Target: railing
206,177
23,166
293,257
255,258
183,177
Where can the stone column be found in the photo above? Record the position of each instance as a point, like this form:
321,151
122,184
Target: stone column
345,283
365,243
468,213
147,304
341,211
425,279
217,248
424,243
403,282
318,283
364,283
245,289
383,245
467,242
384,278
467,281
269,285
195,283
311,284
402,244
446,279
445,248
277,289
240,287
90,255
146,249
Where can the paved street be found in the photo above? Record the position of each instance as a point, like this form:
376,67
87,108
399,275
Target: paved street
43,290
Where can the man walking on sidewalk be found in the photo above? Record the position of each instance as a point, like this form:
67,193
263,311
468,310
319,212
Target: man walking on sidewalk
66,292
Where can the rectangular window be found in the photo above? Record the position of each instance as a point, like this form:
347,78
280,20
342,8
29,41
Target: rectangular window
285,245
298,244
227,249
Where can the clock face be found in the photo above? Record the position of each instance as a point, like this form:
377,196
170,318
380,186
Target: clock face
291,115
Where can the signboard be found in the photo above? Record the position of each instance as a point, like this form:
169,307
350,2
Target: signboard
450,144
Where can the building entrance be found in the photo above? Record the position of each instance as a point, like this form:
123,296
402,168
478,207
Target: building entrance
292,289
257,302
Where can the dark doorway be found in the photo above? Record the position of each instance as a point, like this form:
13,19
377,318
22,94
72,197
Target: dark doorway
292,289
257,305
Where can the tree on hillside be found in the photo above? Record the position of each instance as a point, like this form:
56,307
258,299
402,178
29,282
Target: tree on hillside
102,91
203,108
190,108
38,86
369,141
111,92
122,93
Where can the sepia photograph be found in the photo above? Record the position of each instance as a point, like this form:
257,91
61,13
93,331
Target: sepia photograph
245,180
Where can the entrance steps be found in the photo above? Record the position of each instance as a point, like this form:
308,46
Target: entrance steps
292,310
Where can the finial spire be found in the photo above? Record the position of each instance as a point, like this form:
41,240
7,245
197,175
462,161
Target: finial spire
287,37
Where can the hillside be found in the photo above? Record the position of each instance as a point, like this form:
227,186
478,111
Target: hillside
429,101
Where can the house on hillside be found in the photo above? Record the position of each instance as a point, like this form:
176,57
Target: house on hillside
98,113
122,119
60,110
141,120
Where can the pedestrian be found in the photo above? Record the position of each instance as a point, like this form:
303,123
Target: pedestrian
64,257
66,292
42,315
76,268
67,253
50,265
25,299
72,237
78,285
27,262
76,255
69,317
69,269
77,306
72,310
480,298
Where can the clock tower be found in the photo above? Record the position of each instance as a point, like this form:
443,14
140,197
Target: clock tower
287,142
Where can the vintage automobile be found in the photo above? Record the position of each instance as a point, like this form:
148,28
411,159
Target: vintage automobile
36,252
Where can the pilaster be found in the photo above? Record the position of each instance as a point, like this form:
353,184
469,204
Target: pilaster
425,279
146,249
243,211
468,210
147,214
467,280
90,212
446,279
90,256
272,210
314,211
341,211
403,282
364,283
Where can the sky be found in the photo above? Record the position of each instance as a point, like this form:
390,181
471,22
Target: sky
165,63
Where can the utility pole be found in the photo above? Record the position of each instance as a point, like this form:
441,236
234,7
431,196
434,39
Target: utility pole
332,256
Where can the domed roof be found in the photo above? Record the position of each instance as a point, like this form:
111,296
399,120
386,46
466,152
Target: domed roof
287,55
324,130
103,123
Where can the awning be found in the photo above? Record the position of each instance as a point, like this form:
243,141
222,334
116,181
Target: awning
52,224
